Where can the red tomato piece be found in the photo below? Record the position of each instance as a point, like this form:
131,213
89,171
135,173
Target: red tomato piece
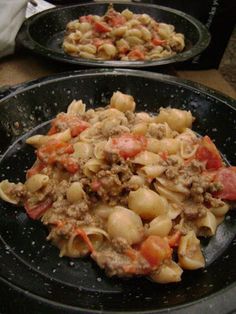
129,145
155,250
227,177
78,128
158,42
64,121
86,18
208,152
35,169
101,27
36,211
69,163
136,54
49,152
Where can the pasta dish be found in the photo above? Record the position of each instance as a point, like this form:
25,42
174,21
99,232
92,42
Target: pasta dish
121,36
132,190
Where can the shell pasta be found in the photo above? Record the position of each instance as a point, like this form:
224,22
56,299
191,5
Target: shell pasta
121,36
134,191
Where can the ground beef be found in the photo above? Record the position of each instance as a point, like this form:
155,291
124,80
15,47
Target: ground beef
116,264
193,211
157,131
120,244
172,172
213,202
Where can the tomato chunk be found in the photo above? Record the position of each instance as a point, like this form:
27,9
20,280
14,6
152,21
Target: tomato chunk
208,152
129,145
86,18
227,177
101,27
64,121
136,54
49,152
158,42
155,250
37,168
36,211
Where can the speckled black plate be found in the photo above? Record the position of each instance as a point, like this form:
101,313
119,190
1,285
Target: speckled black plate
30,268
43,33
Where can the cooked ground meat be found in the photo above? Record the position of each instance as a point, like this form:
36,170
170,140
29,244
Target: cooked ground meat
193,211
157,131
120,265
120,244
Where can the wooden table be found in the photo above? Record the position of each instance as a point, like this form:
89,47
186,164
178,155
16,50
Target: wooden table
24,67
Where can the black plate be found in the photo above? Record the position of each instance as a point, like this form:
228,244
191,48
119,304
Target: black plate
31,267
43,33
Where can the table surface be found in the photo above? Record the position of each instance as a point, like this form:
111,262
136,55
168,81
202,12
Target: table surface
24,67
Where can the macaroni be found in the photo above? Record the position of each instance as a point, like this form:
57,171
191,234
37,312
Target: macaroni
126,188
121,36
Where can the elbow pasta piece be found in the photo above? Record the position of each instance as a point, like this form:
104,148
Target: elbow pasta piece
152,171
39,140
92,166
177,120
220,211
132,227
5,192
168,272
136,182
171,196
104,210
75,192
146,203
146,158
122,102
170,185
160,226
207,225
82,150
189,252
76,107
140,128
127,14
36,182
107,51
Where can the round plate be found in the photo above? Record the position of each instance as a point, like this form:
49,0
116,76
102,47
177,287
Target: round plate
30,266
43,33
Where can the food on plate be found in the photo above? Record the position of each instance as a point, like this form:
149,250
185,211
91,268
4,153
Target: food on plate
121,36
133,190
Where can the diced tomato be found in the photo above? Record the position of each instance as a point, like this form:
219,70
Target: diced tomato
158,42
69,163
129,145
64,121
49,152
95,185
174,239
155,250
35,169
123,49
78,128
101,27
227,177
86,18
117,20
208,152
36,211
85,238
136,54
